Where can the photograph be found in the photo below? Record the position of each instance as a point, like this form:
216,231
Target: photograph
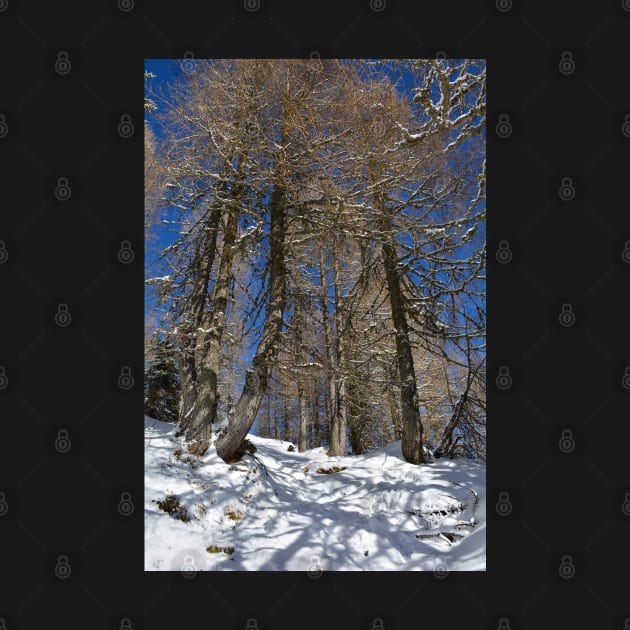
315,315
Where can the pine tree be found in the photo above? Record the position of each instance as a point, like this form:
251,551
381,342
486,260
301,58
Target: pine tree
161,383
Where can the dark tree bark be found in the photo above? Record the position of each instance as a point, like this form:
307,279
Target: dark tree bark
339,417
331,368
411,422
193,318
209,337
298,353
230,442
303,418
393,410
357,421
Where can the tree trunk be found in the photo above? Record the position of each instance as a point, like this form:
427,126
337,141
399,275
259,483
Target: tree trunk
393,410
339,417
209,338
302,406
287,434
316,439
276,430
188,385
411,423
298,353
330,357
230,442
187,370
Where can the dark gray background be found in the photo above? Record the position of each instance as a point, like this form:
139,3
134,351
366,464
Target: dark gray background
558,148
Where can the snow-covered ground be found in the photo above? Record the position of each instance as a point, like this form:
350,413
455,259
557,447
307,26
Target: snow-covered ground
275,512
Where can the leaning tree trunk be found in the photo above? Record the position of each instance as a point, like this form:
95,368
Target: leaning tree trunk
230,442
411,424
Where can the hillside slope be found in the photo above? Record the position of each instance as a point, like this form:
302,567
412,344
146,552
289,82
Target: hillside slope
276,512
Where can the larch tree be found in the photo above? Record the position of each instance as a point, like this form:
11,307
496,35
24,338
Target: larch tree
209,148
351,197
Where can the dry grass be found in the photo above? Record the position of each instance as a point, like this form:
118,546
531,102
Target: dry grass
233,515
330,471
215,549
171,505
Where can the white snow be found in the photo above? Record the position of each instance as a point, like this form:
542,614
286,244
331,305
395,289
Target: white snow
290,518
158,280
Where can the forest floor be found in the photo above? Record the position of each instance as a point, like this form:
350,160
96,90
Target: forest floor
281,510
